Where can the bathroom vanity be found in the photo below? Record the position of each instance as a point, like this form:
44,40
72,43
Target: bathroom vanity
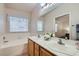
34,49
40,47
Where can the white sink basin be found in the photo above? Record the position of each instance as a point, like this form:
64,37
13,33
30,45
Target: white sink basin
66,49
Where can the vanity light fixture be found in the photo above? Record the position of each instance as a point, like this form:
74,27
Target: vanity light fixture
46,5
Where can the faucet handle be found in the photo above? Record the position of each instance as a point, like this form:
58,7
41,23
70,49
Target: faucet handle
60,42
3,37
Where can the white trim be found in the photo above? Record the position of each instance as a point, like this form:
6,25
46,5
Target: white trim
17,31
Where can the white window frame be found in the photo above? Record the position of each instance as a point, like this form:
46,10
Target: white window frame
18,31
42,26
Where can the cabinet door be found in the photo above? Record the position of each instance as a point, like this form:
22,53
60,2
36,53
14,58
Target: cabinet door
37,52
30,48
44,52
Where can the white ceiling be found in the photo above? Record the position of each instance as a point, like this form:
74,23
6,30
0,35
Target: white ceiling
28,7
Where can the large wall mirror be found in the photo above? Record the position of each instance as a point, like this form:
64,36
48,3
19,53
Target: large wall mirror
62,26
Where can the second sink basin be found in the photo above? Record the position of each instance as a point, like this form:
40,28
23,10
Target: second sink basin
66,49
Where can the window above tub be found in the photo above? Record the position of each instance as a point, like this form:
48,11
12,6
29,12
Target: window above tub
18,24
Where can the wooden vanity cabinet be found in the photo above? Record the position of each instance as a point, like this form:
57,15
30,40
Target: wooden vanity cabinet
44,52
30,48
35,49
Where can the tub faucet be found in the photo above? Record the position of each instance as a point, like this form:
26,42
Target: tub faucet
4,39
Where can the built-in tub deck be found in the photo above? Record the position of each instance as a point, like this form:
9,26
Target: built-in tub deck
12,48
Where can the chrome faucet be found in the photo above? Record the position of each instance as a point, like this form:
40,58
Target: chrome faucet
60,42
4,39
39,36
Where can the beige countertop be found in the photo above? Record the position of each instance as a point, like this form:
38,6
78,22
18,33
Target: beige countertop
69,49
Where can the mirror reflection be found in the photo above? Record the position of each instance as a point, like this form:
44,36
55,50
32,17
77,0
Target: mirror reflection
62,26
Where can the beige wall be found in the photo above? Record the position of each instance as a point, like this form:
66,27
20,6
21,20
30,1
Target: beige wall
2,14
71,9
35,16
1,8
32,16
13,12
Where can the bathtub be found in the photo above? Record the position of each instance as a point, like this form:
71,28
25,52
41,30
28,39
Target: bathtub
12,48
